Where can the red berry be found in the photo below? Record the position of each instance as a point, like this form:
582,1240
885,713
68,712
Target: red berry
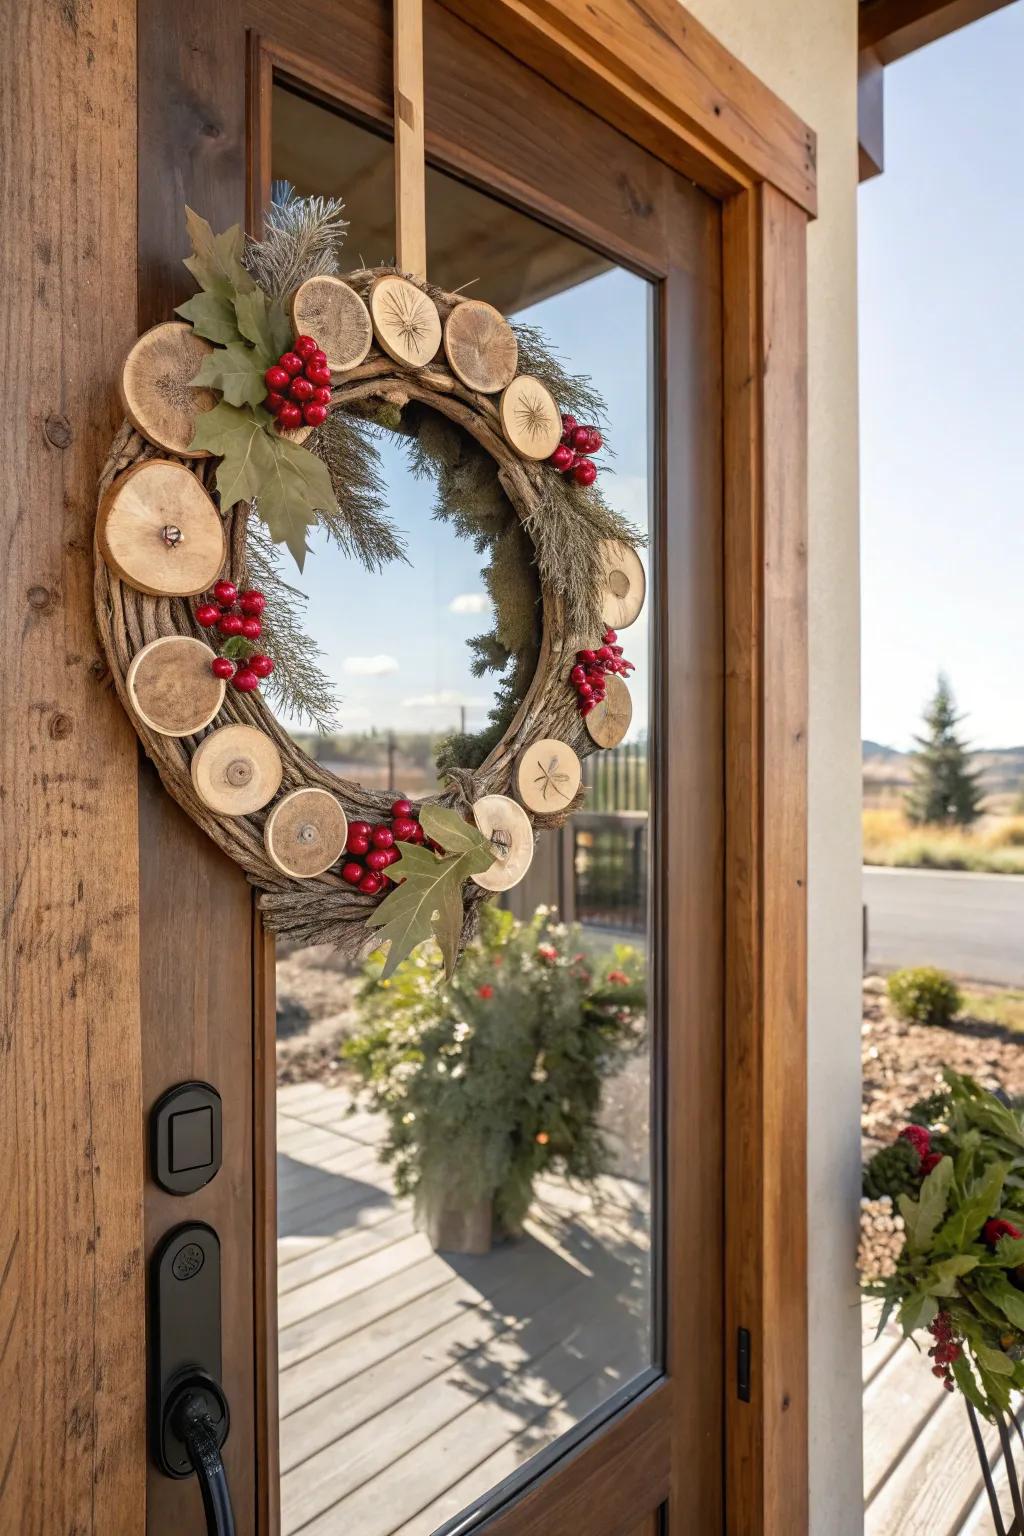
252,629
586,706
246,680
586,655
322,394
371,883
261,665
598,695
207,615
578,675
418,836
289,417
301,390
561,459
403,827
277,378
314,415
252,602
585,472
291,362
585,691
610,637
222,666
319,357
225,592
401,807
274,402
569,424
359,828
377,859
318,373
605,653
596,442
230,624
392,855
580,438
304,346
382,837
351,873
357,844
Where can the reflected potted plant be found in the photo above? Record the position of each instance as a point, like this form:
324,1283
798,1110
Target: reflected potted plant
496,1078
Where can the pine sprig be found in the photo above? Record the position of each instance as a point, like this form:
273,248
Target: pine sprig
302,238
360,527
298,685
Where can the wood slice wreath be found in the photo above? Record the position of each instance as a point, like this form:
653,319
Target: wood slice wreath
242,777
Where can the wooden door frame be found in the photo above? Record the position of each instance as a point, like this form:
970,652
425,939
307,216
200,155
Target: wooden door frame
72,1323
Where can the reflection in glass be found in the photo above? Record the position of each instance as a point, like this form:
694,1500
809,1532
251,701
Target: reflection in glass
427,1355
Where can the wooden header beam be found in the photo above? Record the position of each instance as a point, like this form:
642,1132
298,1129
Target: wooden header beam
894,28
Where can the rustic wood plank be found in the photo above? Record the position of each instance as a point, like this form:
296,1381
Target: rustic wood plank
933,1489
898,1404
373,1269
72,1316
311,1337
662,78
410,169
344,1250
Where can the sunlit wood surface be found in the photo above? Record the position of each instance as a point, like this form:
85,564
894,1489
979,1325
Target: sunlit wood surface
413,1382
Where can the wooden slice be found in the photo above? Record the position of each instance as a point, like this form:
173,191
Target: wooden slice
530,418
547,776
171,687
236,770
405,321
481,346
609,721
336,317
305,833
158,399
159,530
624,584
511,835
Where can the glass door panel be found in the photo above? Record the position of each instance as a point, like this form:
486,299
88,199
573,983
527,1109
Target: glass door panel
434,1345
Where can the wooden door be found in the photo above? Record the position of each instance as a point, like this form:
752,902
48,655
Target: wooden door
650,1457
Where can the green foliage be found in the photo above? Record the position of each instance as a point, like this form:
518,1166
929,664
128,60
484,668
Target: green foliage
945,791
922,994
497,1077
948,1264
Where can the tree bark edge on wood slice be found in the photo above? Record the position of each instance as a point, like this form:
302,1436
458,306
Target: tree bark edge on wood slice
305,833
236,770
156,394
481,347
159,530
530,419
330,311
405,321
171,687
510,832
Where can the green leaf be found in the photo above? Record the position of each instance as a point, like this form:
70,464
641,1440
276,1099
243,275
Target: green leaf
923,1215
245,449
942,1277
296,487
964,1377
981,1202
282,332
236,371
216,262
1003,1295
212,316
448,828
993,1360
448,925
251,311
917,1312
1010,1252
884,1316
238,648
407,915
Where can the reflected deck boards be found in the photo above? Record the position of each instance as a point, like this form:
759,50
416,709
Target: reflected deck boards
413,1382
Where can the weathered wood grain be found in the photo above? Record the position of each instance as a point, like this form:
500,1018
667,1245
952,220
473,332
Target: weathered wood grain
72,1326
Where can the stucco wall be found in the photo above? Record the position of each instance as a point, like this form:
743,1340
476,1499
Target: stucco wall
806,50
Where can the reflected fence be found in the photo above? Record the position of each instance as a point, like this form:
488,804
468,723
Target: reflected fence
609,841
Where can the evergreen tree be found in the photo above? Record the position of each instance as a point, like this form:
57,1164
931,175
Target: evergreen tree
945,790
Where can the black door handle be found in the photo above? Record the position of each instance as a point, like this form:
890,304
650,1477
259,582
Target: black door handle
197,1416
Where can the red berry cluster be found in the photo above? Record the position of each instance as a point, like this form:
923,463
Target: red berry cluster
570,457
996,1228
237,617
371,847
588,675
299,386
921,1140
945,1349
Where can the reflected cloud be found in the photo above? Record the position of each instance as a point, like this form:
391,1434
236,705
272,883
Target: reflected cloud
470,602
370,666
445,699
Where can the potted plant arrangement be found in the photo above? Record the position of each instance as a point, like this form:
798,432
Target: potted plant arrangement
497,1077
942,1246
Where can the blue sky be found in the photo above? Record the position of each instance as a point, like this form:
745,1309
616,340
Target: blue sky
395,643
942,388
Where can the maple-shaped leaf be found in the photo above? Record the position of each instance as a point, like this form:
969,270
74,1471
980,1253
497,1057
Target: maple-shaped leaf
212,316
429,899
238,436
295,488
264,322
216,262
237,371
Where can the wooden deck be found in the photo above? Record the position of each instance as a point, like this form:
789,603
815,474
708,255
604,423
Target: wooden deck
921,1472
412,1382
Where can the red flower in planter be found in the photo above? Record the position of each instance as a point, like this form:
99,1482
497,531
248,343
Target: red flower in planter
996,1228
485,992
928,1163
919,1138
619,978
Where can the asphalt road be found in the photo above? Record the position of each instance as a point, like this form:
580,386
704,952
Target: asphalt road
971,925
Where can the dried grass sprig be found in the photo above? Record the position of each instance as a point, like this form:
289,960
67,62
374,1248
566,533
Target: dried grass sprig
298,684
575,392
361,528
302,238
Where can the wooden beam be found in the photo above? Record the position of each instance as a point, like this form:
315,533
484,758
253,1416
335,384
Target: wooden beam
894,28
410,173
870,114
654,72
72,1304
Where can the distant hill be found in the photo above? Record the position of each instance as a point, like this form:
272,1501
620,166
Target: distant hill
887,773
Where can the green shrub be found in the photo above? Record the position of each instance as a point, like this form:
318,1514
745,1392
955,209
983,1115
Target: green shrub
497,1077
921,994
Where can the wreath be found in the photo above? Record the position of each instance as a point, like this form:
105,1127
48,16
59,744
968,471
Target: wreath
251,418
